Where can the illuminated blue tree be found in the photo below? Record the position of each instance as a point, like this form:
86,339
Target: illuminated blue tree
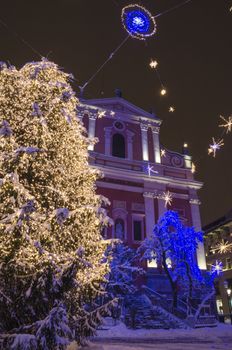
173,246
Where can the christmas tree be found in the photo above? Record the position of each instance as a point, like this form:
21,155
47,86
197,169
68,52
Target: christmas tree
173,246
51,249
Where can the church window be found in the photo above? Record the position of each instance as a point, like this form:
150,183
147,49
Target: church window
119,229
137,230
118,146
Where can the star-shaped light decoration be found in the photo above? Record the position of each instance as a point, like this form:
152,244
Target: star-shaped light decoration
163,91
167,197
223,247
215,146
112,113
163,153
193,168
227,125
153,64
150,170
171,109
217,268
101,114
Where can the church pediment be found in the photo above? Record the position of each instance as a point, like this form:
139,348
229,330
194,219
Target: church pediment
119,105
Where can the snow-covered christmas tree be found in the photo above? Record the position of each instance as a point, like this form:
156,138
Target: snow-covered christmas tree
173,246
51,248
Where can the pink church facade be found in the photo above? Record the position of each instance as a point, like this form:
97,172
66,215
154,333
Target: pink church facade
137,171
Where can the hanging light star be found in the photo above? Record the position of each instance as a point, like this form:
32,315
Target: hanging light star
153,64
215,146
163,92
163,152
227,125
150,170
101,114
167,197
217,268
171,109
223,247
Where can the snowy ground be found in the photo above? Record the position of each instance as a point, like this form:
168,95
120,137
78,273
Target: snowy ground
121,338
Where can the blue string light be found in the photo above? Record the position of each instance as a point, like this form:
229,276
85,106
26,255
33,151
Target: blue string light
138,22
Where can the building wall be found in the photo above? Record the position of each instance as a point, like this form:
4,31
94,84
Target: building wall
218,247
135,185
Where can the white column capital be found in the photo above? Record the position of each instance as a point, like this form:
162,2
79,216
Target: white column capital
92,116
144,126
148,194
195,201
155,129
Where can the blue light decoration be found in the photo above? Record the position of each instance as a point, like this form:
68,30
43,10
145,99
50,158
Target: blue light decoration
138,22
217,268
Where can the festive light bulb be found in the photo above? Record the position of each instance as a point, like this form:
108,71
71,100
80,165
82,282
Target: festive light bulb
163,92
215,146
153,64
227,125
171,109
112,113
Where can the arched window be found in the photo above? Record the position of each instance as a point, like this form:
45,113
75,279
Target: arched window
118,146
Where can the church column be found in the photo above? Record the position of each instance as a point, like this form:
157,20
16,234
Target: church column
149,212
144,129
196,221
156,144
92,128
108,132
161,206
129,144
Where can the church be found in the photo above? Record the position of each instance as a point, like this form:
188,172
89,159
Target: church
141,179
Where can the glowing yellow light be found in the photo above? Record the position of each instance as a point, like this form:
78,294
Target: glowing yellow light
171,109
163,92
193,168
153,64
163,153
185,145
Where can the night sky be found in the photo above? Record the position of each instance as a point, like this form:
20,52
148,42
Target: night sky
193,46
